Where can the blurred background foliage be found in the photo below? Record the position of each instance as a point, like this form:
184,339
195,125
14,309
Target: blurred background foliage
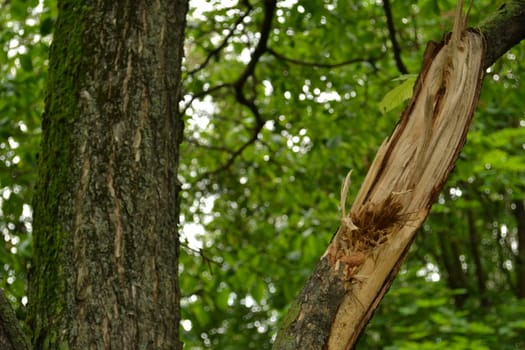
25,35
282,100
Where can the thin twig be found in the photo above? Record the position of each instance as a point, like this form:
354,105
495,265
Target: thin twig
200,253
215,52
392,33
238,86
233,156
193,141
321,64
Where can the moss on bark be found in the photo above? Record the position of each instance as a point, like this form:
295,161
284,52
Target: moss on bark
104,271
47,302
503,29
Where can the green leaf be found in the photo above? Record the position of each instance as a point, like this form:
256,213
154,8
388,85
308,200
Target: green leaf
409,309
480,328
221,299
201,315
258,291
395,97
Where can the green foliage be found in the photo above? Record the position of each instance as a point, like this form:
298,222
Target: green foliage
266,216
420,314
23,58
395,97
261,190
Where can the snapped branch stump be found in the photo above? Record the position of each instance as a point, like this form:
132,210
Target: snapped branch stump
409,171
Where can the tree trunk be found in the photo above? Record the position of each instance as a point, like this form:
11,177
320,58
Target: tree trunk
106,206
519,214
408,173
449,257
476,257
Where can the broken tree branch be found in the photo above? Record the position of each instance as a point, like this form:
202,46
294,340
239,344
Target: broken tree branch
402,183
408,173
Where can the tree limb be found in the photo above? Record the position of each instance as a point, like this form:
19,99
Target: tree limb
392,34
12,337
216,51
503,29
239,84
408,173
280,56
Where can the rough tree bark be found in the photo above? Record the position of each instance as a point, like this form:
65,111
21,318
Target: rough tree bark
12,336
410,169
104,268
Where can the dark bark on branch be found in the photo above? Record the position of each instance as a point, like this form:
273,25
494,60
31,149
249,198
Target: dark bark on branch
370,60
216,52
12,336
239,87
503,29
392,34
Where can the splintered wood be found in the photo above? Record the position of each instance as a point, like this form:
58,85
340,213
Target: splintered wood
405,178
408,172
412,165
361,232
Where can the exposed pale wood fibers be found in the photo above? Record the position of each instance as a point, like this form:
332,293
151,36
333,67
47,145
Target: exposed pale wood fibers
407,174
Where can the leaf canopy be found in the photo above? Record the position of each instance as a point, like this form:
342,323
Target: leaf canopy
264,158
